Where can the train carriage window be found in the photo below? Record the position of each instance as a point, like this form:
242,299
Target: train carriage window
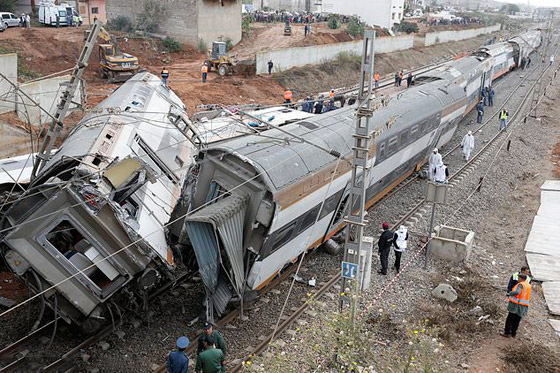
393,145
414,132
382,147
309,218
404,138
283,236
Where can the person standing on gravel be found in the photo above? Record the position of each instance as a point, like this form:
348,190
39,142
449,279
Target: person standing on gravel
435,159
385,243
442,173
212,359
491,96
480,111
216,337
503,120
467,145
518,305
270,67
514,279
399,241
177,361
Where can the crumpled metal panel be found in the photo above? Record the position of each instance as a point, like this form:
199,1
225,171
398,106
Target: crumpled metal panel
225,216
205,244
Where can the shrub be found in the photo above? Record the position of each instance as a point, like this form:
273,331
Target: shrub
202,46
172,45
408,27
229,43
120,23
8,6
333,23
355,27
149,20
246,24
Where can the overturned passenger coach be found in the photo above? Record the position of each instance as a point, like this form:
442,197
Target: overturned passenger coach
111,185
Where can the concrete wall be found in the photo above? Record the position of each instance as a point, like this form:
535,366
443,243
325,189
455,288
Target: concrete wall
217,22
46,93
8,67
187,20
447,36
294,57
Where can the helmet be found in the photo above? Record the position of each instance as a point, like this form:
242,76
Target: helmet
182,343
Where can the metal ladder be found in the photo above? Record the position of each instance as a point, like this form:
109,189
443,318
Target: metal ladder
56,125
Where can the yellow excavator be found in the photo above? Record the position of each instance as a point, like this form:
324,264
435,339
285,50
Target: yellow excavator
115,66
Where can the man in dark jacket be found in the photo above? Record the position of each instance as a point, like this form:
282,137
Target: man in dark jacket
514,279
177,361
216,337
385,242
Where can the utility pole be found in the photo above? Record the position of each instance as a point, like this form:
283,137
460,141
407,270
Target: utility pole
56,125
360,174
545,50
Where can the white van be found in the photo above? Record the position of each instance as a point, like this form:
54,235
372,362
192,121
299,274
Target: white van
48,12
9,19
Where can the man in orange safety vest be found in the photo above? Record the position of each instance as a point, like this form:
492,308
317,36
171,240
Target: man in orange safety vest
518,305
376,79
288,96
204,71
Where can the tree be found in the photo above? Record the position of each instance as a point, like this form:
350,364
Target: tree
8,6
333,22
509,9
355,27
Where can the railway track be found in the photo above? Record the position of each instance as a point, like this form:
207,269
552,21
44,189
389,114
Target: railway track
454,179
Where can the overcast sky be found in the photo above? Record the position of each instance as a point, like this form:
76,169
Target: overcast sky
551,3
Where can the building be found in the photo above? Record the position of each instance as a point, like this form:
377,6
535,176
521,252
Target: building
384,13
187,21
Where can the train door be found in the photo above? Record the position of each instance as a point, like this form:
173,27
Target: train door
517,54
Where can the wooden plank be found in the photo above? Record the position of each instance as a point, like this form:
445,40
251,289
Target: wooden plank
551,185
544,237
551,291
544,267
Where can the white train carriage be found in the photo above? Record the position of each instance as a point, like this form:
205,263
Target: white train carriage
256,199
525,44
113,181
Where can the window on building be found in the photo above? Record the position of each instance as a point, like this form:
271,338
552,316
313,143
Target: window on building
94,10
400,15
394,15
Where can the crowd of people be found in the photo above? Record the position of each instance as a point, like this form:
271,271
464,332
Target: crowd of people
293,17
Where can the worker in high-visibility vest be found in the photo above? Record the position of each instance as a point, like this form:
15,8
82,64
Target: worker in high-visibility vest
503,119
518,305
376,79
204,71
331,93
288,96
164,76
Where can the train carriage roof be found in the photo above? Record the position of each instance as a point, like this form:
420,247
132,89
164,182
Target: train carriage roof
283,160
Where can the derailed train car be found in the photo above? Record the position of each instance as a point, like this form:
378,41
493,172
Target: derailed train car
112,184
257,201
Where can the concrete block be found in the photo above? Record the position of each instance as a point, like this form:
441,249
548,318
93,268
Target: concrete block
445,291
452,244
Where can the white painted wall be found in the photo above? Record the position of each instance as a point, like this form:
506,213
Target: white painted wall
447,36
46,93
373,12
8,68
295,57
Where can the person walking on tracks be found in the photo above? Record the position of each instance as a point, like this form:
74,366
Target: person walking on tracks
204,71
442,173
399,241
211,359
480,111
467,145
514,279
385,243
518,305
177,361
216,336
503,116
491,96
164,76
409,80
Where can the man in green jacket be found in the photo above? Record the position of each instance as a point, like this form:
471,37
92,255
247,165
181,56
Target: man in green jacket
216,336
211,360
